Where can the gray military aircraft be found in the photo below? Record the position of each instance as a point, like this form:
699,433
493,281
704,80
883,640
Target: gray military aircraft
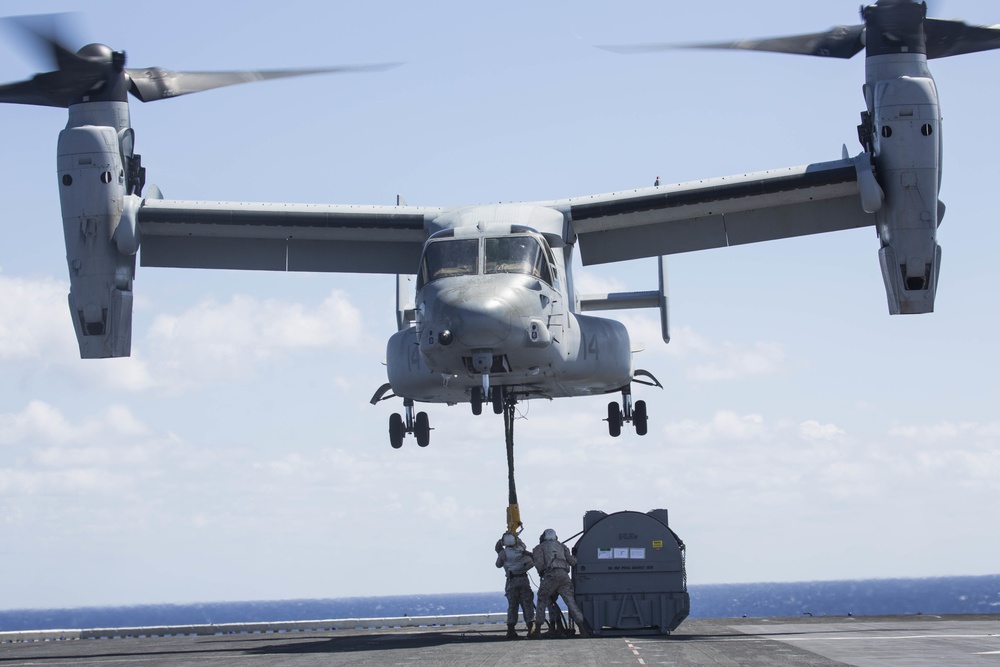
486,306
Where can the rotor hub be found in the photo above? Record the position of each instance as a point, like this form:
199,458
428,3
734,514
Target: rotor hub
103,54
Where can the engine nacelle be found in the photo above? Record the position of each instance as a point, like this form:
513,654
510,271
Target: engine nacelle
100,241
907,137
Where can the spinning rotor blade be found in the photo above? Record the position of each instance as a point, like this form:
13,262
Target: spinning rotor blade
96,72
891,26
49,90
153,83
955,38
76,74
839,42
45,34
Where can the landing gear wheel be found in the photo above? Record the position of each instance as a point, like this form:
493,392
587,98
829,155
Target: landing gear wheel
396,430
639,418
422,429
477,400
614,419
496,396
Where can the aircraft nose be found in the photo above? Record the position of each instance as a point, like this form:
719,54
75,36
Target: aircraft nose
476,322
486,323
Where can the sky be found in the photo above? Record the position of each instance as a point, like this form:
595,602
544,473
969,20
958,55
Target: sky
802,433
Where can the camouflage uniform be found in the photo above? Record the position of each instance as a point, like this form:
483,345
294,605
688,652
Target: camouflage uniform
516,562
553,561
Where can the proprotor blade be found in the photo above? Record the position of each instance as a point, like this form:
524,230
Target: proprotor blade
154,83
955,38
98,73
75,75
838,42
45,34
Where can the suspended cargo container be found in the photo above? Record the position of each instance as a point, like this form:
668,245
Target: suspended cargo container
630,575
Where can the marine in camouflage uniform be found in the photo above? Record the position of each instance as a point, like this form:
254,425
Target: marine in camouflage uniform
553,561
513,557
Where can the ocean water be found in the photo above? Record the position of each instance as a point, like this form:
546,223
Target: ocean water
875,597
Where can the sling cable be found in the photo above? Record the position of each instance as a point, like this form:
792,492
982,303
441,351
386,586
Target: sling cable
514,525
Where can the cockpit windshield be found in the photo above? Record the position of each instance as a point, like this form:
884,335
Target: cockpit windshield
515,254
522,254
454,257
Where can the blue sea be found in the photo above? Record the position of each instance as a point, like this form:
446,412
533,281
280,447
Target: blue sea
875,597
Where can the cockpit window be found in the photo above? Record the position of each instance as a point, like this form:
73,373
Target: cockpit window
515,254
454,257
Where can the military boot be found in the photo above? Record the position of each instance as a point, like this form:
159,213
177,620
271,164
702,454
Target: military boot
511,634
533,630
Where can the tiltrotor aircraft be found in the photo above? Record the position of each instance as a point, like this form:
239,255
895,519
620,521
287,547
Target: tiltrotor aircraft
493,315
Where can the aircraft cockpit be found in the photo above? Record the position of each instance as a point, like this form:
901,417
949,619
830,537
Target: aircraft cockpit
518,253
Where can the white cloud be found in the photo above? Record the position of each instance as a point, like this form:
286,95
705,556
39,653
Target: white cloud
38,420
966,453
225,341
46,454
261,326
733,362
34,319
66,483
724,425
591,282
947,431
813,430
131,374
210,343
42,423
702,359
45,451
685,342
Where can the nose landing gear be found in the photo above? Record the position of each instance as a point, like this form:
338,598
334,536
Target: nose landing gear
418,425
495,395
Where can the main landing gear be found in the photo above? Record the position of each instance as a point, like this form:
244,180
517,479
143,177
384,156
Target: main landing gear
418,425
629,413
635,414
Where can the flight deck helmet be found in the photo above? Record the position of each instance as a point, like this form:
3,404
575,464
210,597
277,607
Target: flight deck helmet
549,534
508,539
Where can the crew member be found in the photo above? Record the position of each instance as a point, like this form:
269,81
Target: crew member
553,561
513,557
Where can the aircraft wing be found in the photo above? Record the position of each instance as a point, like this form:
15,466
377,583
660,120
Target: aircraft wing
613,227
720,212
282,237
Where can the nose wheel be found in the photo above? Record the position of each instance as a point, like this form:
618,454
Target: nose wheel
627,413
494,395
418,424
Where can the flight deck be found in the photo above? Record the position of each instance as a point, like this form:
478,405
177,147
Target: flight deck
800,641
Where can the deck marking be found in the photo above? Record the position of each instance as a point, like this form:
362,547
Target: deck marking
635,651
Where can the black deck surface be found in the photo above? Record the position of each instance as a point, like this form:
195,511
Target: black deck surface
821,641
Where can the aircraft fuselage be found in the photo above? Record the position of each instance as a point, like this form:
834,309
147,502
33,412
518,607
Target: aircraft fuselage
494,300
